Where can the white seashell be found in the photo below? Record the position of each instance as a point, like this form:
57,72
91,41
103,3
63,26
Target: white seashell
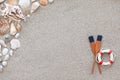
6,57
13,30
12,2
35,6
17,35
25,5
5,51
14,12
11,52
50,1
15,43
4,63
1,68
2,42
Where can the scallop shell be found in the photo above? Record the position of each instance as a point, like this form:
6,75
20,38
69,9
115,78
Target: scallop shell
35,6
13,2
4,26
25,5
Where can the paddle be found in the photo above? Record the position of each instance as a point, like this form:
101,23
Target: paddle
95,49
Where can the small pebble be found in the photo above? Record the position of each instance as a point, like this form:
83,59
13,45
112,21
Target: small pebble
5,51
50,1
6,57
4,63
15,43
7,37
1,68
11,52
17,35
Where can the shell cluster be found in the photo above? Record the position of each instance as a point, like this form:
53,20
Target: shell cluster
12,13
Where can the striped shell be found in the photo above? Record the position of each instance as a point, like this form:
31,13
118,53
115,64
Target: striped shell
4,26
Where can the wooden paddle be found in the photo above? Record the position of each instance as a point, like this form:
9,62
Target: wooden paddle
95,49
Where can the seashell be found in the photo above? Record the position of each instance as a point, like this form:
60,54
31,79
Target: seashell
13,12
12,2
4,26
17,35
35,6
4,63
50,1
5,51
1,68
11,52
25,5
15,43
2,42
6,57
18,27
18,14
13,30
43,2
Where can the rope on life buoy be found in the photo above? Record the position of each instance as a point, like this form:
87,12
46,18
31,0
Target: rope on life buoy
105,51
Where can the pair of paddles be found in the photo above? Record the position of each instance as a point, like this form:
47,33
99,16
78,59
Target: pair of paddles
95,47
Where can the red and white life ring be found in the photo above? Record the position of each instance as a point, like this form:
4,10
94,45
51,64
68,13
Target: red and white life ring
104,51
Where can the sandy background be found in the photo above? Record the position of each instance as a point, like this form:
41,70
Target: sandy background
54,42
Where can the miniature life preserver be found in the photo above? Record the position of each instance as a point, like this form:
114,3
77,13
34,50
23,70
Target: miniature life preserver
104,51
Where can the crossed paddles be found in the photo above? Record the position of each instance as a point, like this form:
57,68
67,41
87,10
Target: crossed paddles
95,47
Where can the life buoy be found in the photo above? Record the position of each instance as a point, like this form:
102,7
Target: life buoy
105,51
